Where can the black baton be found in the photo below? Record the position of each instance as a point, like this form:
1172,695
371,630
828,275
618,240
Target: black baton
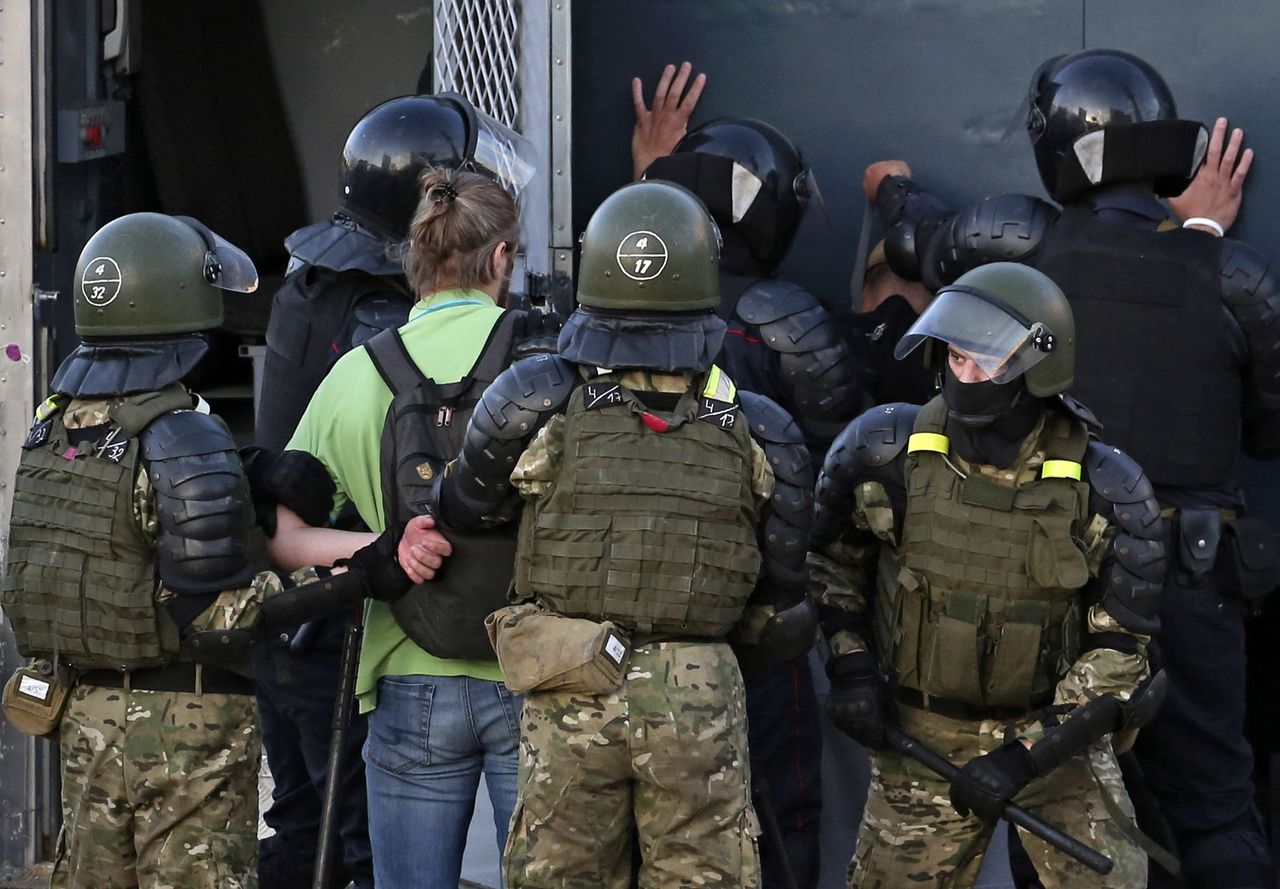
337,741
1063,842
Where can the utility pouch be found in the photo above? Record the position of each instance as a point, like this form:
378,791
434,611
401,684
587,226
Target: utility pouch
1247,560
541,651
1199,532
35,696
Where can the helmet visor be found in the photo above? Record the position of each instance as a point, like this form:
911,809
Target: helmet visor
226,266
504,154
998,339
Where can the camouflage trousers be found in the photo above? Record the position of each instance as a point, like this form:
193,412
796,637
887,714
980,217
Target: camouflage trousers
663,758
159,791
910,835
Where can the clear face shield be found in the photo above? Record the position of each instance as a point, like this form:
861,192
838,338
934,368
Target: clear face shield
499,151
226,266
998,339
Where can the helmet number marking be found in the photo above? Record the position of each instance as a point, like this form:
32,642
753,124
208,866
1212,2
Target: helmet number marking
642,256
100,281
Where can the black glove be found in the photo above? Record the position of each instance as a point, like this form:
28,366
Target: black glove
378,566
859,703
987,782
291,478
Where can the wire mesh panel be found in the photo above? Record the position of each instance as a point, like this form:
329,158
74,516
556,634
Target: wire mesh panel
477,54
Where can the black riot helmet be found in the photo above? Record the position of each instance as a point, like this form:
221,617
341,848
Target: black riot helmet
750,176
1103,116
392,144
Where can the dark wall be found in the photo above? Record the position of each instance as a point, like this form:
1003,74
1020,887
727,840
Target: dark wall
932,81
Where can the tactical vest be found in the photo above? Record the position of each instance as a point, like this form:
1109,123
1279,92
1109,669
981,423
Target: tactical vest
316,316
981,601
423,431
651,519
81,577
1155,357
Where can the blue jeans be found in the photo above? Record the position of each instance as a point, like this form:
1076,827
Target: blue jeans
430,737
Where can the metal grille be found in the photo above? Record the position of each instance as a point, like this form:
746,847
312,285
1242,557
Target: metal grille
477,54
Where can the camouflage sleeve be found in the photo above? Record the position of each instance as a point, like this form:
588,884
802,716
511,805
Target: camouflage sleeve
842,574
240,608
1104,670
144,505
761,475
536,469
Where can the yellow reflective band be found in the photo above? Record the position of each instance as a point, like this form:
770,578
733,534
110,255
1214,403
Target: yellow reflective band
928,441
47,408
719,386
1060,469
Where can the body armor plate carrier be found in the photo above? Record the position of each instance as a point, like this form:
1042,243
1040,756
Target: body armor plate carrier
81,578
424,428
1170,399
981,602
651,521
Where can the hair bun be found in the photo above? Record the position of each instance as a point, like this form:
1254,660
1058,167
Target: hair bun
439,194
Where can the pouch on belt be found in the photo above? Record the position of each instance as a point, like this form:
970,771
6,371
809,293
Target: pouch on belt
542,651
35,696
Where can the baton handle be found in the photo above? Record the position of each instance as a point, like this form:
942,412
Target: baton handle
1063,842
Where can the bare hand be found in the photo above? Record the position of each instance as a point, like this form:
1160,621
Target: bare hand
422,549
876,173
659,128
1218,188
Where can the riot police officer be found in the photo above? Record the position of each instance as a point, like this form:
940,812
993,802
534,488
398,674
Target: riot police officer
988,568
783,343
345,283
1154,304
127,574
664,510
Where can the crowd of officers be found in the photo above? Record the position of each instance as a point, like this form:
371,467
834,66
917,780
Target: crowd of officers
590,556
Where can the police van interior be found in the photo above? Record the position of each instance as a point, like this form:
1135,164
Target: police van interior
235,113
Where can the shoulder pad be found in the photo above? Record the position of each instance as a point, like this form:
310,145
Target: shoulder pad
789,317
1007,228
869,449
1118,487
514,404
202,502
510,412
769,421
783,444
185,434
1246,275
873,442
789,516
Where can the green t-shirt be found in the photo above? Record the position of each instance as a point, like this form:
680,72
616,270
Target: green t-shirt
342,427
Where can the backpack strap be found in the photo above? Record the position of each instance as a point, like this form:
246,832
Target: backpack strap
496,355
393,362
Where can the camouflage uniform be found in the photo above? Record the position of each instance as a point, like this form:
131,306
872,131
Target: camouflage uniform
666,752
160,789
910,834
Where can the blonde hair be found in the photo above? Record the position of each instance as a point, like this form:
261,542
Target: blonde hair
461,218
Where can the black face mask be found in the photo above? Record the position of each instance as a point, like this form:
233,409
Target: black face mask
978,405
988,421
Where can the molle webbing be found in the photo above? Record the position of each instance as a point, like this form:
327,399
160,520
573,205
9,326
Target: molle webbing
80,581
980,603
654,530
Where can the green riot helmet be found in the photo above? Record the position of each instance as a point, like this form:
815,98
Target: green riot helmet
651,246
147,274
1011,319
